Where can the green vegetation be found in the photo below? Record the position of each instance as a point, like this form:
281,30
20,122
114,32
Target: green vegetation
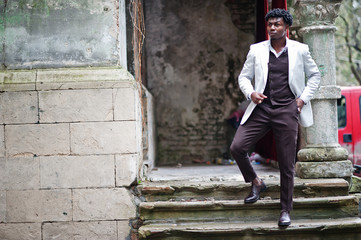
348,43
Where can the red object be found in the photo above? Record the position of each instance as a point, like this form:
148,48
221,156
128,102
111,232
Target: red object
349,122
279,4
261,11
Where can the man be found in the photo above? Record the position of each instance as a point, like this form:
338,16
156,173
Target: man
280,99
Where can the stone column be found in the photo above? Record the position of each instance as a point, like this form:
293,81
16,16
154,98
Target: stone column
322,157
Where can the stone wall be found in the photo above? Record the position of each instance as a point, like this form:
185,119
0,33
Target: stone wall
70,148
195,51
62,33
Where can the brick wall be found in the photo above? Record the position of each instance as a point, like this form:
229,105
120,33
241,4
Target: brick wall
70,147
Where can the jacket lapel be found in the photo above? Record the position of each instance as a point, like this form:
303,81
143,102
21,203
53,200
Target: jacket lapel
291,60
265,60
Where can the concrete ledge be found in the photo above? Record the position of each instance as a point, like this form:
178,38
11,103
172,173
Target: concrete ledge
235,190
325,28
345,228
81,78
337,169
65,78
262,210
17,80
322,154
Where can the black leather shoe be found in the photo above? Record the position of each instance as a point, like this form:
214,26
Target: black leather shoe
285,219
255,191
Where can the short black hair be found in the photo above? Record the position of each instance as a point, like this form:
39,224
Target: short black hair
278,12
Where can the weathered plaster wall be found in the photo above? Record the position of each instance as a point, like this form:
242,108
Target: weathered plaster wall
62,33
194,55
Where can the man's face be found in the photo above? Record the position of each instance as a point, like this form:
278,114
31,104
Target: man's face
277,28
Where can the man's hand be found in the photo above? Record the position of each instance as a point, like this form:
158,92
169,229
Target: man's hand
257,98
300,104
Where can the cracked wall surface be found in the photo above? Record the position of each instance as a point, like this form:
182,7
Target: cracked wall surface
52,33
195,51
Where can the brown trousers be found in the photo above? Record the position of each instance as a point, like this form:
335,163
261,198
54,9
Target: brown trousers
283,121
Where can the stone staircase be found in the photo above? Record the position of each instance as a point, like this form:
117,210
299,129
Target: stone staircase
215,210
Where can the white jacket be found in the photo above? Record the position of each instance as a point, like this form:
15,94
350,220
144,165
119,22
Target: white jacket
300,63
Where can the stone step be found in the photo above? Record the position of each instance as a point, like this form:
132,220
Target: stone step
319,229
234,190
237,210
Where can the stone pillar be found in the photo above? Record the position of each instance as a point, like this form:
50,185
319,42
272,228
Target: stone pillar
322,157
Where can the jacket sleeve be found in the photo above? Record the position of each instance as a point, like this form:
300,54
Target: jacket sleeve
247,75
313,76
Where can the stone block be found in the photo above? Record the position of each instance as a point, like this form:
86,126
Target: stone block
2,207
76,105
2,141
20,231
103,204
334,169
123,230
77,171
39,205
322,154
3,179
355,185
92,84
105,230
22,173
19,107
17,77
37,139
103,138
83,78
124,103
126,169
17,80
